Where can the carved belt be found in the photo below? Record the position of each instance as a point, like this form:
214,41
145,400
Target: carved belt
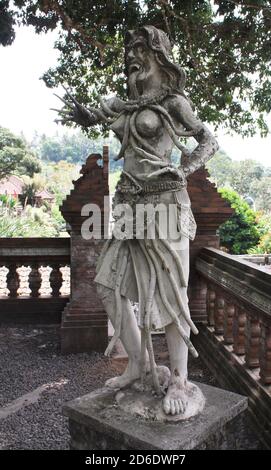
161,186
128,184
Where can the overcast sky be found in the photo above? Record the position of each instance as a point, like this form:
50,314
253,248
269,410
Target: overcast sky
25,101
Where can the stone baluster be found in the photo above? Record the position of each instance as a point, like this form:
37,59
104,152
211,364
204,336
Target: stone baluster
56,280
265,352
210,304
219,314
239,322
229,310
13,280
252,341
34,280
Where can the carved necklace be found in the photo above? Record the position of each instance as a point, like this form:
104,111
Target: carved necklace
146,100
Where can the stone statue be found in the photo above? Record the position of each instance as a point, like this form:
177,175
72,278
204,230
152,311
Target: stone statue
151,271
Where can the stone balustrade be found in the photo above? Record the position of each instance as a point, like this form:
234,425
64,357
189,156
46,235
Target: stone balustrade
236,342
34,279
238,306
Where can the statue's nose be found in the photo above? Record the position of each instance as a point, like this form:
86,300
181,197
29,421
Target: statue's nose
131,54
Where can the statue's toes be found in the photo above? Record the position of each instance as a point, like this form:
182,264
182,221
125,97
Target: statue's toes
173,407
181,406
166,406
178,407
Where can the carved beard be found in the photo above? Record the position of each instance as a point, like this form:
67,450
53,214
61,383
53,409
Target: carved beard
136,81
133,91
135,85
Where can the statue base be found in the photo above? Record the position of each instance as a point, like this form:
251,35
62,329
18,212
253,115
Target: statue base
101,421
133,401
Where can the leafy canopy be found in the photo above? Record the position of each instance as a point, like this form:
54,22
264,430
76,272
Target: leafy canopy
223,45
15,156
248,178
240,232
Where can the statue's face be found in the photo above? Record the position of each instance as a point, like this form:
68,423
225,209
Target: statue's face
141,63
137,55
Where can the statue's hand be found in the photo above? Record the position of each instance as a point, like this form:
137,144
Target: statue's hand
169,169
165,167
76,112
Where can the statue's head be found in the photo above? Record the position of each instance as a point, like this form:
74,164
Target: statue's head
148,52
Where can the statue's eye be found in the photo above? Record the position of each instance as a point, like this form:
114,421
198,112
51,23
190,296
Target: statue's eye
139,48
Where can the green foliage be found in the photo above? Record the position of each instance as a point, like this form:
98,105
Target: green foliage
30,222
264,222
247,177
223,45
7,22
74,148
59,178
15,156
29,193
261,191
71,148
31,187
58,219
243,174
264,226
264,246
7,201
220,169
240,232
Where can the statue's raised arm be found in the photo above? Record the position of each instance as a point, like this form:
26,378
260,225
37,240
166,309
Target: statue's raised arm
87,116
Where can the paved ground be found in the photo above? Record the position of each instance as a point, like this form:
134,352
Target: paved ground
35,381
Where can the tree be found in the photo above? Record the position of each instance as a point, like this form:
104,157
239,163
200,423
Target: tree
246,177
74,148
240,232
261,191
244,174
59,177
7,23
264,246
220,169
15,156
223,45
50,149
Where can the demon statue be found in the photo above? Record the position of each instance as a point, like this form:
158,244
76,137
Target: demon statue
147,266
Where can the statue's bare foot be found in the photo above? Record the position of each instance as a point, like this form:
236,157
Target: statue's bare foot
175,401
121,381
131,374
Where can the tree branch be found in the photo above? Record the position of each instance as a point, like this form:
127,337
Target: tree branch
166,7
70,24
195,62
249,5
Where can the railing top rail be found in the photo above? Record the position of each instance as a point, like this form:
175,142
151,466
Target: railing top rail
238,279
36,249
213,255
30,242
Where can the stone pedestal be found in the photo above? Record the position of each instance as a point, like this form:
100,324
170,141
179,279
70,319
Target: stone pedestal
96,422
